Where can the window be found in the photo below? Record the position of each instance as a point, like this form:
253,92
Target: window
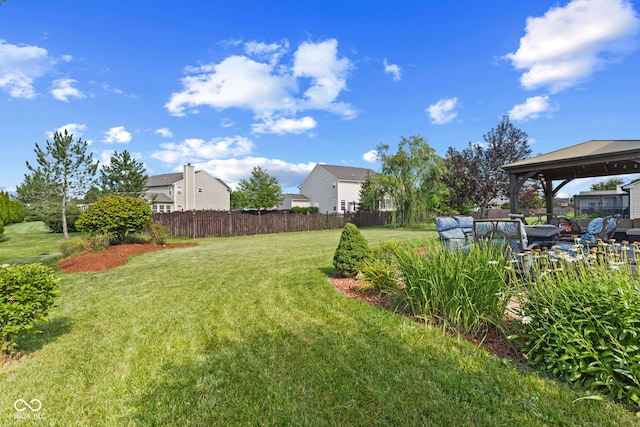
343,205
335,204
200,189
170,191
178,190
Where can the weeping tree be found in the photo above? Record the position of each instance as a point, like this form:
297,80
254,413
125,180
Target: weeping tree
410,177
63,173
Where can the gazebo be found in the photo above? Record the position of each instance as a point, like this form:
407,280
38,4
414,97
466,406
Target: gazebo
589,159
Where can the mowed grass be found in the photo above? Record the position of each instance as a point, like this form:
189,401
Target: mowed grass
248,331
30,242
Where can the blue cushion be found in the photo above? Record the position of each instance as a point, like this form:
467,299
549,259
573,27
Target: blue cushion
465,222
444,223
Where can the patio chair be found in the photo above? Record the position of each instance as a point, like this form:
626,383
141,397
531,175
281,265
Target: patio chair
509,232
598,229
452,234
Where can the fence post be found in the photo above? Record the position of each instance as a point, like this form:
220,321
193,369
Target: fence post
194,224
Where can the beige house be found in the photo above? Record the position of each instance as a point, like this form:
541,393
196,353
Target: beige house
187,191
334,189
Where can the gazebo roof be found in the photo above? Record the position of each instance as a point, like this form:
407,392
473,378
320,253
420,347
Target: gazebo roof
586,160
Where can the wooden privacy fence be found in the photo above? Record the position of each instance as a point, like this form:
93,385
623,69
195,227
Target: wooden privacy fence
199,224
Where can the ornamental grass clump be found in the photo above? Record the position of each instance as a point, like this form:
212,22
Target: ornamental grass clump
465,292
381,272
581,323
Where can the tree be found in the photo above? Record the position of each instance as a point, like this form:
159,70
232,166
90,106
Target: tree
479,166
37,195
261,191
116,216
66,171
611,184
352,251
371,194
124,176
411,177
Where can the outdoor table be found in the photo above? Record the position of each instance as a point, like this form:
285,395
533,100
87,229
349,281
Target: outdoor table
543,234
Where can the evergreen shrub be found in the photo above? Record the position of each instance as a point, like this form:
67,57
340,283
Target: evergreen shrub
352,251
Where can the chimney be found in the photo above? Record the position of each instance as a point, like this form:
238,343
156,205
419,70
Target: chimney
189,176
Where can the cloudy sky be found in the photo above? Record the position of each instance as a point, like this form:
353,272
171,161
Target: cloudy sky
289,84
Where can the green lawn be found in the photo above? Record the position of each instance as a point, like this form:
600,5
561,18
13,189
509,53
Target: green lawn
247,331
30,242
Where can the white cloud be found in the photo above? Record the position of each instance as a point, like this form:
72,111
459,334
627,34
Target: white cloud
226,122
164,132
370,156
566,45
443,111
20,66
73,128
233,170
392,69
192,150
62,90
532,108
270,87
284,126
118,135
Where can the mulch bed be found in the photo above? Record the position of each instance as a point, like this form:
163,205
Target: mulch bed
494,342
112,257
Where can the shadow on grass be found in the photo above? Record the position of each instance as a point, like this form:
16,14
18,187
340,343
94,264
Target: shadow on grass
310,374
49,332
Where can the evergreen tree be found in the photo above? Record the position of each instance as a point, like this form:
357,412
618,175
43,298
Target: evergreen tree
63,174
124,176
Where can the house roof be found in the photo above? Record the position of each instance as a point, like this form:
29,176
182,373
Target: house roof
348,173
294,196
588,159
166,179
158,197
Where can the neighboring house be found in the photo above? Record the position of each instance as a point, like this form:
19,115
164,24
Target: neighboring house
603,202
187,191
334,189
633,188
295,201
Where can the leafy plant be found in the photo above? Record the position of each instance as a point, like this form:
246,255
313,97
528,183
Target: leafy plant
158,233
581,323
352,251
117,216
381,272
26,293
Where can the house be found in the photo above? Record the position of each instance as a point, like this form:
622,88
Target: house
186,191
334,189
633,188
295,200
602,202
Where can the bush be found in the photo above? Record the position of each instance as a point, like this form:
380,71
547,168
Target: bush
73,246
52,218
352,251
299,209
158,233
381,272
116,216
1,228
26,294
581,323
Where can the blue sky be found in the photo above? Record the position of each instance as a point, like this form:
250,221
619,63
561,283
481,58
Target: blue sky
285,85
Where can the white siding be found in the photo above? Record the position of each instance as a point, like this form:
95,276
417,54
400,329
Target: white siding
322,189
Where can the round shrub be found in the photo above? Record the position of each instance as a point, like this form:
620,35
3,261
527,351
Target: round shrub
352,251
52,217
117,216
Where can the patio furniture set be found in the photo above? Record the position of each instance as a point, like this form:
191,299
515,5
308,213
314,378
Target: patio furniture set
461,232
